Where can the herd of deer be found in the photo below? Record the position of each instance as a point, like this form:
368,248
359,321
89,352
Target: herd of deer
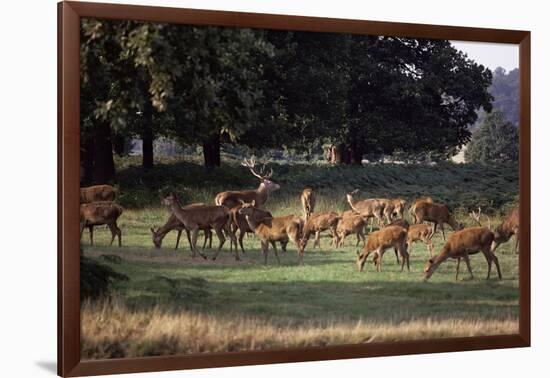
239,212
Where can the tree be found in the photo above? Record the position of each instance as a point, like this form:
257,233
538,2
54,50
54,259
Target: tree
496,140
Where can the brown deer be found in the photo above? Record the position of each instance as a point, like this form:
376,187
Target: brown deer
417,202
393,207
97,193
379,241
173,223
308,202
436,213
271,229
420,232
318,223
351,223
461,245
505,230
193,219
369,208
231,199
99,213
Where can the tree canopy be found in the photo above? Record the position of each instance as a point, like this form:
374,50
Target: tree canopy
211,85
496,140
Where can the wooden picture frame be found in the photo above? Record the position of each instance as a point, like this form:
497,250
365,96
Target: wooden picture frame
69,14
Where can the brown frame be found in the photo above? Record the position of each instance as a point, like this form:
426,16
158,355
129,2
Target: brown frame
69,13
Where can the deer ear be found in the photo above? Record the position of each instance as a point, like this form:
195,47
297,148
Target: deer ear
253,203
153,230
430,261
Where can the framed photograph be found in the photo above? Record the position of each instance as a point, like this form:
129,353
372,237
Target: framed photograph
229,184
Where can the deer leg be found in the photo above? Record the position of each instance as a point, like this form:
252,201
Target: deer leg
219,233
317,240
178,239
380,253
442,230
467,260
430,247
371,223
276,252
396,255
404,258
265,248
233,241
205,239
493,258
457,268
113,233
82,226
517,242
194,236
187,232
91,230
283,245
119,235
241,237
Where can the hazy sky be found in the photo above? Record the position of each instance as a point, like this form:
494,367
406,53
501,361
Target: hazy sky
491,55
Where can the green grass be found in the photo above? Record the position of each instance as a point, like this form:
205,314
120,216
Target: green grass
328,289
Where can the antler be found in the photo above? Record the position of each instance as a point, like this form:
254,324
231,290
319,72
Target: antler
251,164
475,216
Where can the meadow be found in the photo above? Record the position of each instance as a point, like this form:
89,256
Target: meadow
172,303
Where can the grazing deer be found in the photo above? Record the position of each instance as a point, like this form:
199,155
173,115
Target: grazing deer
99,213
231,199
379,241
193,219
318,223
271,229
351,223
461,245
436,213
420,232
368,208
173,223
97,193
505,230
308,202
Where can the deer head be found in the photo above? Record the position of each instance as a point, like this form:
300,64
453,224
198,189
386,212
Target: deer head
477,217
262,174
157,239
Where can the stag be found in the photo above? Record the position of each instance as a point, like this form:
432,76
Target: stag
99,213
461,245
230,199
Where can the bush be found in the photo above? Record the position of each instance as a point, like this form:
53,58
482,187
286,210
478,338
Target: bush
96,278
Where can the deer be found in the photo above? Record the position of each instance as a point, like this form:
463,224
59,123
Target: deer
260,195
351,223
99,213
418,201
318,223
393,206
436,213
379,241
369,208
97,193
271,229
420,232
461,245
505,230
173,223
308,202
193,219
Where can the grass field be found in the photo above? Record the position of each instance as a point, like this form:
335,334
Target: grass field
175,304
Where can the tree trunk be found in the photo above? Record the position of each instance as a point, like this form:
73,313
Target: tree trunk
211,151
147,136
87,159
341,154
356,154
104,165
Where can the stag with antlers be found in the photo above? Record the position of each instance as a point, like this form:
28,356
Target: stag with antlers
231,199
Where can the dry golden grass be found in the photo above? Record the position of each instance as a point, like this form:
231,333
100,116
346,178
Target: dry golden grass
111,330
